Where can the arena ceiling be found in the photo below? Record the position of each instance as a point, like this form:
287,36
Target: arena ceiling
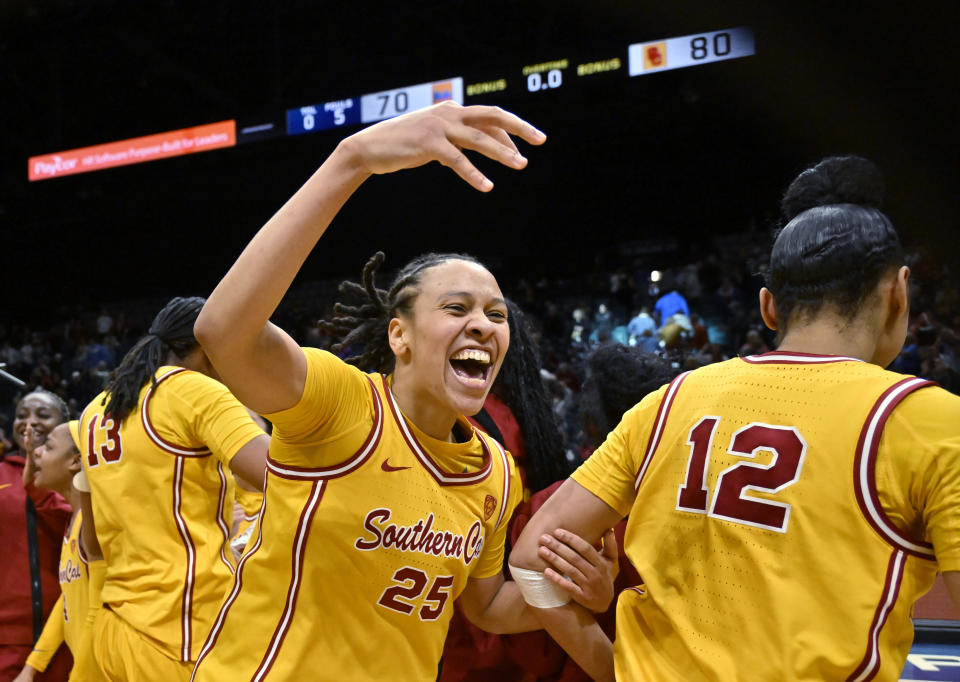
686,153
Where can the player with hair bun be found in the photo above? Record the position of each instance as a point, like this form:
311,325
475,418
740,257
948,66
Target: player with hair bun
382,503
155,447
786,509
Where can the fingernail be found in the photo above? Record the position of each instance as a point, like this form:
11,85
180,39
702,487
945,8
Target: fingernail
519,157
486,184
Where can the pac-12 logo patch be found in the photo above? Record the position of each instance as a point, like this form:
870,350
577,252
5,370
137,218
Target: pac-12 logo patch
489,506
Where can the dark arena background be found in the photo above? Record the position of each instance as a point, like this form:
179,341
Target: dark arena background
643,172
676,157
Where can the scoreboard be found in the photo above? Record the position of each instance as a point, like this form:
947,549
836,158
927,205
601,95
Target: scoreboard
346,110
371,108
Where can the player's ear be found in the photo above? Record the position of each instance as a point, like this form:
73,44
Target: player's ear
397,336
768,308
75,465
899,302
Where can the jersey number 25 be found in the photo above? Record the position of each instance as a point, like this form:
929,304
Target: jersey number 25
404,597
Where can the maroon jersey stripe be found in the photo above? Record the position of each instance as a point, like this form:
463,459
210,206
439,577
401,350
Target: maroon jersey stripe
214,634
442,477
870,664
865,462
186,613
293,591
795,358
362,454
658,426
220,521
157,439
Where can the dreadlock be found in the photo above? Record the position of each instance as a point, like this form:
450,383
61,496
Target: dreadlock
521,388
171,330
364,324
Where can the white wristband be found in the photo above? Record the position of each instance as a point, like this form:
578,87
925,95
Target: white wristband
537,590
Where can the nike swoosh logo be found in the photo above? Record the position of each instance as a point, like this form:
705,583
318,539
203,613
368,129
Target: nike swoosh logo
5,485
386,466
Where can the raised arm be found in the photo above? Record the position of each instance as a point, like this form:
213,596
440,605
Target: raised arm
260,363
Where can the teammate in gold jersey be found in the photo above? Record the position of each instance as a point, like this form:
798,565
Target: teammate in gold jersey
786,509
382,504
156,446
53,465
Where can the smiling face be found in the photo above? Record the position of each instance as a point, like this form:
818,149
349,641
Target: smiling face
56,460
38,410
450,346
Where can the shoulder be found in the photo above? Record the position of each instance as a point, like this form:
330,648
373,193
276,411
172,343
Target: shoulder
935,400
180,377
317,357
188,385
502,461
326,368
929,413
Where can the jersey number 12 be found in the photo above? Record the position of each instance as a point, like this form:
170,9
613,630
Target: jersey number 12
729,501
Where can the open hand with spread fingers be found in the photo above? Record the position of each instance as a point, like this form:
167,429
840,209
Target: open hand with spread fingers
578,568
443,133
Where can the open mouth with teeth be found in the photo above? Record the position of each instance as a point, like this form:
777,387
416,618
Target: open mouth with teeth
472,366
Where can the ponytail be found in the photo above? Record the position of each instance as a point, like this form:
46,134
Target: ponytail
171,330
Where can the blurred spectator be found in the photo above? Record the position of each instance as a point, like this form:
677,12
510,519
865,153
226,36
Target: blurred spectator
641,325
754,344
669,304
104,323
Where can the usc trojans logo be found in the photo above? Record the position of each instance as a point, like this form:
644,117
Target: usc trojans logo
489,506
654,56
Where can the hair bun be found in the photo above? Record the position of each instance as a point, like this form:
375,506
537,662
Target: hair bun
835,180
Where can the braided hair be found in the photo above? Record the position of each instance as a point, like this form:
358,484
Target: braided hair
521,388
362,326
835,244
618,377
171,330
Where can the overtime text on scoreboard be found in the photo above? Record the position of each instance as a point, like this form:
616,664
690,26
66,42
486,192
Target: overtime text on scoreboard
542,76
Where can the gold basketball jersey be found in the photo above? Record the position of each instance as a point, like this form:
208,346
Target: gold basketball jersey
368,532
163,503
757,526
69,619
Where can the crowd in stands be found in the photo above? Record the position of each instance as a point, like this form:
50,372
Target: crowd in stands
692,314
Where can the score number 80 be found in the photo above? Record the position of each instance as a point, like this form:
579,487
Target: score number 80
700,46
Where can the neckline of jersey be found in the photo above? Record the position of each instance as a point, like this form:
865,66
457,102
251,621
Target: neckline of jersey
796,357
423,453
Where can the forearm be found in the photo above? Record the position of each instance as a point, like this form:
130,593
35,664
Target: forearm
50,638
88,529
238,309
507,613
575,629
